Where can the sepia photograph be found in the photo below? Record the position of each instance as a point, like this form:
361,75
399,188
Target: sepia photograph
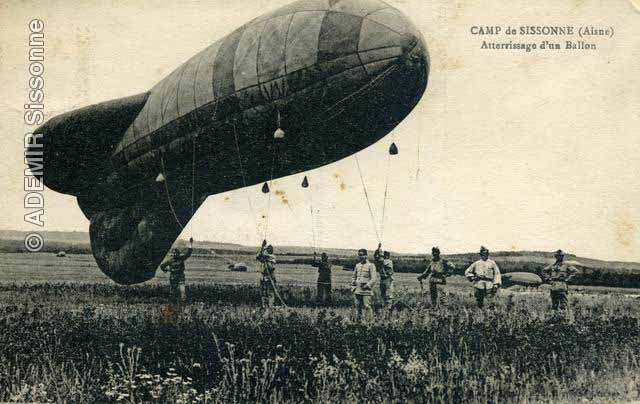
320,201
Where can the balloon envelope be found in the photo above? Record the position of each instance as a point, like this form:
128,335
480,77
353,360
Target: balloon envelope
315,66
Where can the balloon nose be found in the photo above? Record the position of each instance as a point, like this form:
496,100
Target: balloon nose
408,42
388,36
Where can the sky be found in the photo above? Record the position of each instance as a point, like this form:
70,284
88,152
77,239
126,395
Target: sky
509,149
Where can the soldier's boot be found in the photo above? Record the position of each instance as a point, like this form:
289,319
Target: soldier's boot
479,295
182,293
510,303
554,302
433,292
357,309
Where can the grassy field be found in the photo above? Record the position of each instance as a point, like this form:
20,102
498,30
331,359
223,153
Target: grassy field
71,335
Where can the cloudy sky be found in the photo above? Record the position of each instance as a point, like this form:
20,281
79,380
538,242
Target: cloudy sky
508,149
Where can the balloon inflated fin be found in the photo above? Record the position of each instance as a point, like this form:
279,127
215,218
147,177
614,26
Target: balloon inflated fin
305,182
265,188
393,149
77,145
129,240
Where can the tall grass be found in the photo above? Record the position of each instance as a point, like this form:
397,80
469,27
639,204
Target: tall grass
103,343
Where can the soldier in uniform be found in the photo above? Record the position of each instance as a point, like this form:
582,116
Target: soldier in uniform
324,279
364,278
378,258
385,271
175,267
268,284
558,275
436,272
485,275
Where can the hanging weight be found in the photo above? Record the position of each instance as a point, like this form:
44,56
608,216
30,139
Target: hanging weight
393,149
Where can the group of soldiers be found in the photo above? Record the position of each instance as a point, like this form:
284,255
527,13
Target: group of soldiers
484,274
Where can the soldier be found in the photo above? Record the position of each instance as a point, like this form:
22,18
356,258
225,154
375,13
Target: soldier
558,275
268,285
175,267
378,258
437,272
485,275
364,278
384,267
386,279
324,279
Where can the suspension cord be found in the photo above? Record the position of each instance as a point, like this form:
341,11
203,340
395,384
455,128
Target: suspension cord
386,187
384,201
166,187
334,110
273,164
244,180
193,181
313,225
418,156
366,195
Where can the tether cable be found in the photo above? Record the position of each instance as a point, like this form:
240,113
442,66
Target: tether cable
166,187
366,195
244,180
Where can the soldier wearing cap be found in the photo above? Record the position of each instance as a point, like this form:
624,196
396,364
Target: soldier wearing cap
364,278
324,278
384,266
485,275
268,286
558,275
175,267
436,273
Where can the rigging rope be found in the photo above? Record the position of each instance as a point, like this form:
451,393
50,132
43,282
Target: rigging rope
193,177
366,195
273,164
313,226
393,149
418,157
306,184
384,201
244,180
166,187
381,76
193,181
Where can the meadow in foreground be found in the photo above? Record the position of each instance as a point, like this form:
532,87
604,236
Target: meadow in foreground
104,343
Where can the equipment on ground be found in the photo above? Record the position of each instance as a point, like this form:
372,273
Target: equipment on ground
521,278
238,267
